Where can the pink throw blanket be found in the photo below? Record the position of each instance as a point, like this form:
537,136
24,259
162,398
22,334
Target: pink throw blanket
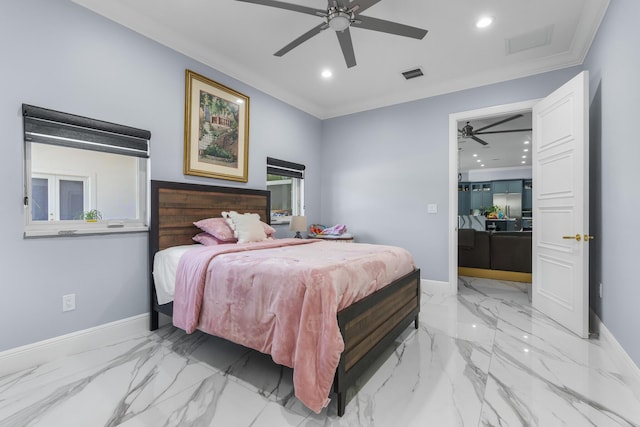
281,297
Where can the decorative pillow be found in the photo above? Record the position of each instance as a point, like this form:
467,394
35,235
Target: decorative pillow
268,230
217,227
208,240
247,227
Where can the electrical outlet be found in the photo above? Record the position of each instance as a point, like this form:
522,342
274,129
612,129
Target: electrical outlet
600,289
69,302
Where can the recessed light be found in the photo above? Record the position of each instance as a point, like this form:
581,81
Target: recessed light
475,155
326,74
526,142
526,150
478,160
524,157
484,22
523,162
481,166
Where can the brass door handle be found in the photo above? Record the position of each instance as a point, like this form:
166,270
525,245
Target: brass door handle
578,237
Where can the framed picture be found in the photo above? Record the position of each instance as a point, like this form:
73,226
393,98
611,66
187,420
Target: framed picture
216,130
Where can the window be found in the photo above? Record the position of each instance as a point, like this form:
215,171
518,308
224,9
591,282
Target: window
83,176
285,182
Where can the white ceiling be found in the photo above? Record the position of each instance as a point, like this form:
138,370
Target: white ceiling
503,149
239,39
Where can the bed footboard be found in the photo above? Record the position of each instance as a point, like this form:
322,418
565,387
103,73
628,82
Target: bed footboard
371,325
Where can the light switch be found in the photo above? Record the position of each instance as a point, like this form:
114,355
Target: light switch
432,208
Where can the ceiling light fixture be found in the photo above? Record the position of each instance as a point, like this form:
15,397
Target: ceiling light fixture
484,22
523,162
526,150
524,157
475,155
526,142
326,74
481,166
338,19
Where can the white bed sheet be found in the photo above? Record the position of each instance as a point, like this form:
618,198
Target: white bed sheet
165,265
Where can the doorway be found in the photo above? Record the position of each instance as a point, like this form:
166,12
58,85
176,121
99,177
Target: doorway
454,119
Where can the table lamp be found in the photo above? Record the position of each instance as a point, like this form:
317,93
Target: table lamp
298,224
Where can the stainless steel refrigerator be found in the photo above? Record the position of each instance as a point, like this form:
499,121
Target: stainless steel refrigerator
511,204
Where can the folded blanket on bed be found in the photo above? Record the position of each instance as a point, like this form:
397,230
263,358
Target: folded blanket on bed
283,300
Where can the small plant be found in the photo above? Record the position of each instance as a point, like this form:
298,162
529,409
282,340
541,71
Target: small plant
92,215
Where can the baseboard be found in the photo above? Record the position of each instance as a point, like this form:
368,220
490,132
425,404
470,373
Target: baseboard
29,355
512,276
619,353
444,286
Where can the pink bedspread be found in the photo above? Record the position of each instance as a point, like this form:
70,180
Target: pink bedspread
281,297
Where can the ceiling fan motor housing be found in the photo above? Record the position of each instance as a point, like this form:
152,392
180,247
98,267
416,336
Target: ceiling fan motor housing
339,19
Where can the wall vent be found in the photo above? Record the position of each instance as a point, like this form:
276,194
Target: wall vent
412,74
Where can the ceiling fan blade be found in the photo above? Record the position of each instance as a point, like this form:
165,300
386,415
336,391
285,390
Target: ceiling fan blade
344,37
360,6
289,6
475,138
303,38
508,119
376,24
502,131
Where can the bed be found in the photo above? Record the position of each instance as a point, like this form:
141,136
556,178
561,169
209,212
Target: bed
368,327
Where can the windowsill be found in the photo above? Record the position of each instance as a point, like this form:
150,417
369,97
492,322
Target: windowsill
90,229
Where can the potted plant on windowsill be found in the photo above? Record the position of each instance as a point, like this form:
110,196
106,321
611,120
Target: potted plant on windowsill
91,216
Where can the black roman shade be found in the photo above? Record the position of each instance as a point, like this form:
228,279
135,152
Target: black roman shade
284,168
68,130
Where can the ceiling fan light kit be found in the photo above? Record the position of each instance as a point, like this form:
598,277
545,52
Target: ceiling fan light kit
340,18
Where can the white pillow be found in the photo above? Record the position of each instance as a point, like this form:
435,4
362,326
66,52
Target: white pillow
246,227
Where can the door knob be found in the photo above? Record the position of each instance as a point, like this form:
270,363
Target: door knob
578,237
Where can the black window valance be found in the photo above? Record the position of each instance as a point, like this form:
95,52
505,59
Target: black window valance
57,128
285,168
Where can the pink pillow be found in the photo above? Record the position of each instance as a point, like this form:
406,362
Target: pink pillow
268,230
217,227
207,239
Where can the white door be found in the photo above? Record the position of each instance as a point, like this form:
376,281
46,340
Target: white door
560,203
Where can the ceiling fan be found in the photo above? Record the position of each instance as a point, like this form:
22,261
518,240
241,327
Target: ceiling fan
340,15
468,132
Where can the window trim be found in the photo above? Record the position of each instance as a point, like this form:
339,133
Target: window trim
294,171
79,132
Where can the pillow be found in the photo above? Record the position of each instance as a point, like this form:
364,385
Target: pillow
268,230
218,228
207,239
247,227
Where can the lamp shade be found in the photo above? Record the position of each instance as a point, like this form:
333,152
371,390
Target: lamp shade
298,223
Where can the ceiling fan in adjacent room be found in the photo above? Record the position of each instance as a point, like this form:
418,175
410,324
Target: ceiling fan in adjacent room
468,132
340,15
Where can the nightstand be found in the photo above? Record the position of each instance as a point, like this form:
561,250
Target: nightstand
348,238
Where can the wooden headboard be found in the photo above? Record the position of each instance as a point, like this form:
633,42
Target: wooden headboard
176,206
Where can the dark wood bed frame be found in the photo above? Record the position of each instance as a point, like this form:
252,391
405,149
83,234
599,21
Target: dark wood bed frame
369,327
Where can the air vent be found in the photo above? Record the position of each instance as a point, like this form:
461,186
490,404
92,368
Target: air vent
537,38
412,74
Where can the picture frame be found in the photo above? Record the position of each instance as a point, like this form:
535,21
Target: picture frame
216,130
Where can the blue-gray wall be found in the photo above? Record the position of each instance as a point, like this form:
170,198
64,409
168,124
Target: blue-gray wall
614,64
384,166
58,55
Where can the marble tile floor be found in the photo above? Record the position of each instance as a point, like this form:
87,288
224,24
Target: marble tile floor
483,357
